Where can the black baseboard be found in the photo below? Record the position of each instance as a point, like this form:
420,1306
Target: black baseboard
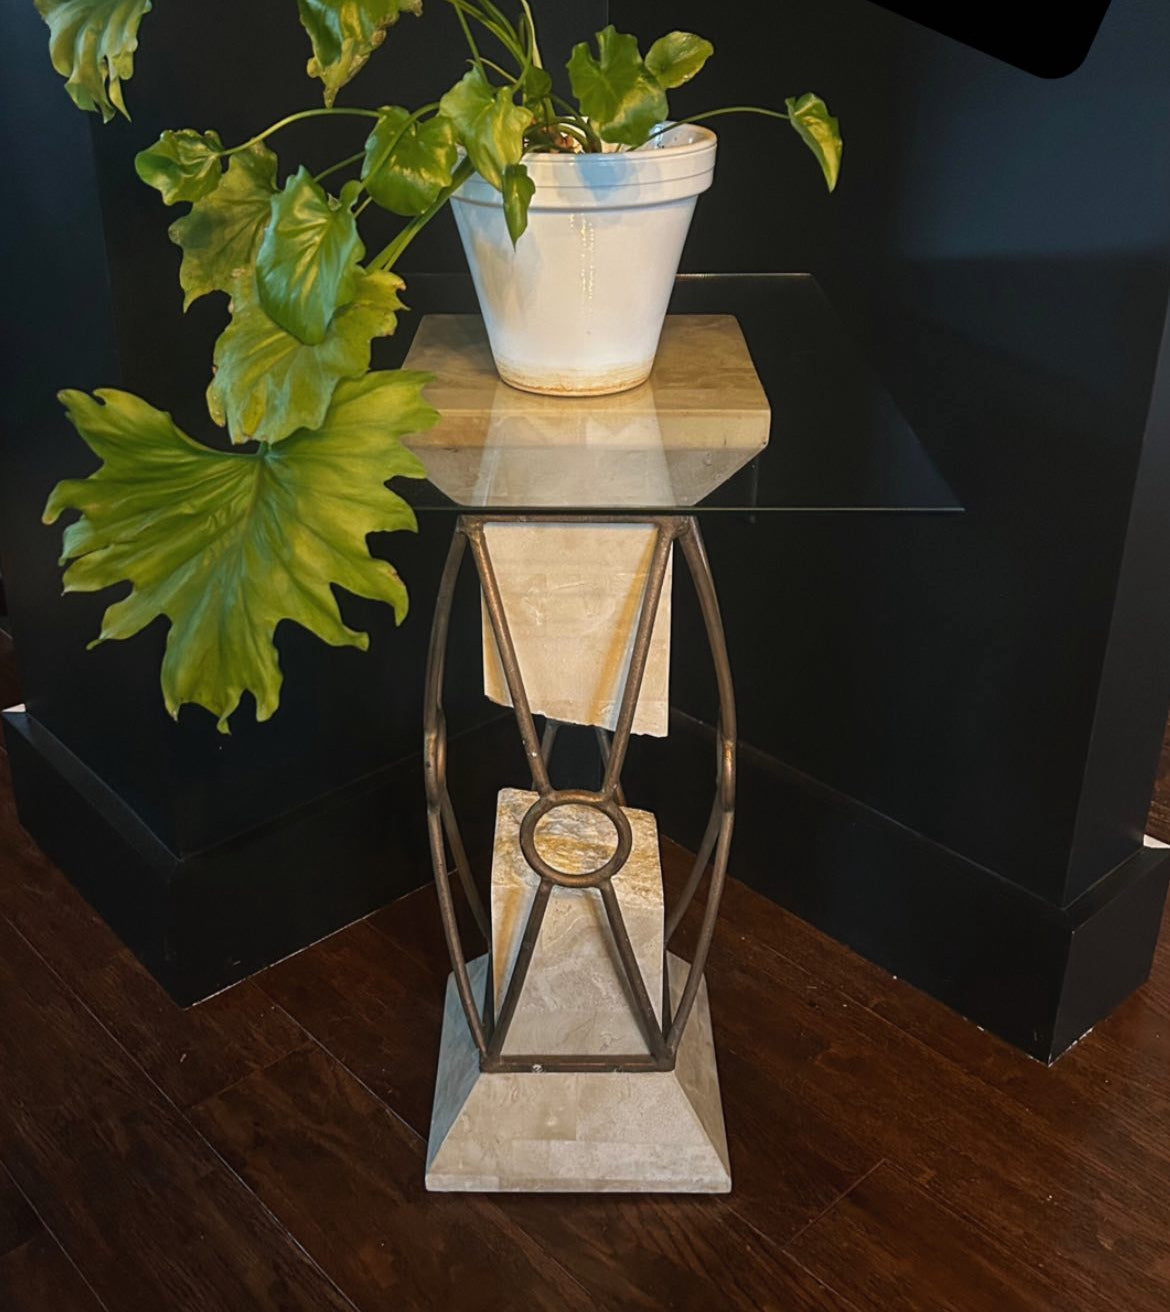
1036,974
202,921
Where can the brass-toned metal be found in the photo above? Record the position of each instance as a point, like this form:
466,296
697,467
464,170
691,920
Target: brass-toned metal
663,1033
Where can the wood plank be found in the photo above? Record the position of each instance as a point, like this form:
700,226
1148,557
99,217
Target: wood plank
9,672
1158,820
1089,1165
1109,1097
788,1160
346,1177
972,1149
647,1252
374,1007
1125,1058
412,923
38,1277
139,1200
195,1051
18,1222
746,913
37,898
1130,1049
35,1273
190,1052
888,1245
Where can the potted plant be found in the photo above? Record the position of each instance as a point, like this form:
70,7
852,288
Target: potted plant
227,544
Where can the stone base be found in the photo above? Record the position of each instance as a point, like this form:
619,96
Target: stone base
648,1132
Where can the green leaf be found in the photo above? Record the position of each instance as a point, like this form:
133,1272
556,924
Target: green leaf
221,235
269,383
345,33
183,165
308,261
819,131
536,84
226,545
490,126
677,57
519,190
616,90
407,164
92,45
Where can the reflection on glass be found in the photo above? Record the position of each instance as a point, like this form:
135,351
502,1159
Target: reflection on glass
702,416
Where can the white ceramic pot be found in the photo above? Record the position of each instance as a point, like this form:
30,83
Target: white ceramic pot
576,307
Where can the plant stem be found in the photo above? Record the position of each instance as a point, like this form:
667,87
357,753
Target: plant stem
296,118
497,68
466,26
386,257
715,113
581,121
529,27
501,20
341,164
533,47
501,30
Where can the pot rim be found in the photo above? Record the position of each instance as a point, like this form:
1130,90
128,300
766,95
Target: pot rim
705,138
627,179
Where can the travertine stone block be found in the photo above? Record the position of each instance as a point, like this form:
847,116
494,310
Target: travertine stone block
702,415
572,596
573,999
578,1132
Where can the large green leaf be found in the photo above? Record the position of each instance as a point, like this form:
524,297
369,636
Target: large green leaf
677,57
269,383
226,545
615,89
308,262
819,131
221,235
519,190
345,33
407,164
489,123
92,45
183,165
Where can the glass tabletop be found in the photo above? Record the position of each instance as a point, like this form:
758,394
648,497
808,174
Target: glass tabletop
758,402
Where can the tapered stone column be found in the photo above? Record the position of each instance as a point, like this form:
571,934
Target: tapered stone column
580,1086
591,1131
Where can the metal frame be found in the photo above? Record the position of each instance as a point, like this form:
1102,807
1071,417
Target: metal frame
489,1031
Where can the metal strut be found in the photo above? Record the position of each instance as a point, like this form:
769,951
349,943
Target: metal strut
489,1030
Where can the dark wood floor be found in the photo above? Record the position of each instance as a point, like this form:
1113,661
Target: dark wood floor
1158,822
264,1150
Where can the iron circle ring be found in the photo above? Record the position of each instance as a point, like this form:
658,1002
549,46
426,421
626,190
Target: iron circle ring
572,797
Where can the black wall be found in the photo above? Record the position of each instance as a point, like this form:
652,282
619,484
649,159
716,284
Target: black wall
93,300
1004,251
